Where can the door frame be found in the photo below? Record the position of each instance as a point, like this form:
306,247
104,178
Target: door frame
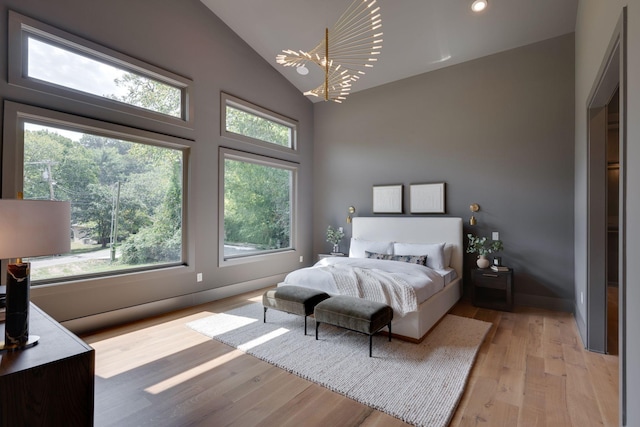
611,75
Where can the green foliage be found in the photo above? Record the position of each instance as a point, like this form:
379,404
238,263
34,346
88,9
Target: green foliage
480,245
151,245
55,167
253,126
334,235
162,239
150,94
257,206
158,236
87,173
257,198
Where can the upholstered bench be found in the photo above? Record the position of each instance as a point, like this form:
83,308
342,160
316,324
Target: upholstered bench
294,300
356,314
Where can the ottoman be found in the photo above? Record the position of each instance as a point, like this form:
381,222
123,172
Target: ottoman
356,314
294,300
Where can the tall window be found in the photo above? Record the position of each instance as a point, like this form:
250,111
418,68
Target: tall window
258,201
257,192
126,191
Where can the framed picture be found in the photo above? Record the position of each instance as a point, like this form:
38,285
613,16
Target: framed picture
387,198
427,198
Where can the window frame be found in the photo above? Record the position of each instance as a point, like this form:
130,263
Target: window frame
232,154
21,27
15,114
248,107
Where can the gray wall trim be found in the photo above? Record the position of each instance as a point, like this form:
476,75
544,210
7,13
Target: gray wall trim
582,326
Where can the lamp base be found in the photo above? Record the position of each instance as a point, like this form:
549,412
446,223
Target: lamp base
16,324
33,340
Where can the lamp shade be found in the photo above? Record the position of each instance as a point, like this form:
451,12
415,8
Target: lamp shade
30,228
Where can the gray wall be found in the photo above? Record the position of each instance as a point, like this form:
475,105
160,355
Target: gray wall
498,131
595,25
186,38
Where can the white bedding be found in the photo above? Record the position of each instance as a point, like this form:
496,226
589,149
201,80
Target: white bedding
424,280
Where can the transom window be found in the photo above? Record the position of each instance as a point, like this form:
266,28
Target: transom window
65,67
249,122
54,61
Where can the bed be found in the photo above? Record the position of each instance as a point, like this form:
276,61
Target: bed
436,289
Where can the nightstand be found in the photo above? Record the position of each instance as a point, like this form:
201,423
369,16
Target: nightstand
492,289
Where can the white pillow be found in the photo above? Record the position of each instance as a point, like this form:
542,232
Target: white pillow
448,254
433,251
358,248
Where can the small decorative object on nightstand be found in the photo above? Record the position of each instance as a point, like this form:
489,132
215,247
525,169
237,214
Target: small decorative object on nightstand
492,289
334,235
482,247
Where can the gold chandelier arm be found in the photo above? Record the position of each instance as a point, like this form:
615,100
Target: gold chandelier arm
350,46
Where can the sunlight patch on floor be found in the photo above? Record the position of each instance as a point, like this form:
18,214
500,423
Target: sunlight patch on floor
263,339
193,372
135,345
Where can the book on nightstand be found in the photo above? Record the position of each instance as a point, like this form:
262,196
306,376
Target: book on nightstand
499,268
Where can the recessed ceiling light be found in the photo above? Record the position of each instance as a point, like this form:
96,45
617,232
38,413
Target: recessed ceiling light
479,5
302,70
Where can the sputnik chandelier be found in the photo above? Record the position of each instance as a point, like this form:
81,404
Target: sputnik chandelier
347,49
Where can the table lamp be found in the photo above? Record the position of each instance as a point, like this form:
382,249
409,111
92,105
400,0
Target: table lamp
28,228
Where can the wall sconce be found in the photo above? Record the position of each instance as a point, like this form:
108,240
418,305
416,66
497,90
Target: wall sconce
351,210
474,207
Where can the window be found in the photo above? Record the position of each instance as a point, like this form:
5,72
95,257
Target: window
257,192
89,75
248,122
125,186
50,60
259,197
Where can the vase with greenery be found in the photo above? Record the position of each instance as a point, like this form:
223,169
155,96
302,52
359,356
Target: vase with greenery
334,236
482,247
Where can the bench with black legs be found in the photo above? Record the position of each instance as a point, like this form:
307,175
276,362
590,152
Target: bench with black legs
292,299
356,314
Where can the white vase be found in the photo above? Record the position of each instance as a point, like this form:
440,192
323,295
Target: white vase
336,249
482,261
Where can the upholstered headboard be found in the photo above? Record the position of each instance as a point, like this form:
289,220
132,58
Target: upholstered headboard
413,230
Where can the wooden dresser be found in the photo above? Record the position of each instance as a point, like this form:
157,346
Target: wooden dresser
51,383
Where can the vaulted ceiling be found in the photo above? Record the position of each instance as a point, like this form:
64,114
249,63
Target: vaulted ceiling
419,35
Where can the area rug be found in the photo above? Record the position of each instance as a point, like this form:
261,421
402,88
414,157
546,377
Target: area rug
421,384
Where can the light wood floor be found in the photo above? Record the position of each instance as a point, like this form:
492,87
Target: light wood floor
531,370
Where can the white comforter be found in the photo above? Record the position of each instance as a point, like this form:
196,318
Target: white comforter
424,281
